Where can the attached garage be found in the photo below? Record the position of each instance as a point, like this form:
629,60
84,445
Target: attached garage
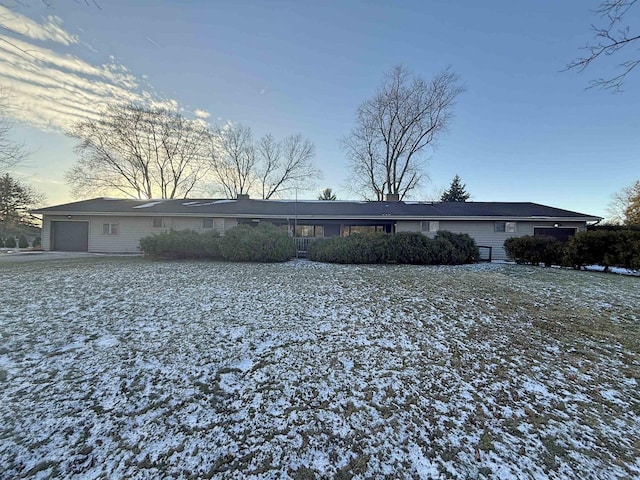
70,236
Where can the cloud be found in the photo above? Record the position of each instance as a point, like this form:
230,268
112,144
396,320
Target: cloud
52,88
201,113
50,30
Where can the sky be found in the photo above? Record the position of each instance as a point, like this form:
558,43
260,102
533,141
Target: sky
523,130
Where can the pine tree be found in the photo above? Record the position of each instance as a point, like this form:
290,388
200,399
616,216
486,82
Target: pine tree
327,194
456,192
15,201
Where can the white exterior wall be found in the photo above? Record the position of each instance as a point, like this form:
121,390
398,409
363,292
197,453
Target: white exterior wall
483,231
130,230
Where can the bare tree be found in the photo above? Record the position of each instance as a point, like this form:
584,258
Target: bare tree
139,152
233,159
267,168
285,165
393,129
625,205
11,153
609,38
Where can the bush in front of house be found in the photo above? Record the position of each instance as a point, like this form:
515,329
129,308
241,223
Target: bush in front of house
37,242
607,248
411,248
10,242
355,248
1,242
262,243
464,248
405,247
181,244
535,250
22,242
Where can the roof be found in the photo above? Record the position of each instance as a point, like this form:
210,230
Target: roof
249,208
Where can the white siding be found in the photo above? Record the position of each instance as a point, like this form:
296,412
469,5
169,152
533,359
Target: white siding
130,230
483,231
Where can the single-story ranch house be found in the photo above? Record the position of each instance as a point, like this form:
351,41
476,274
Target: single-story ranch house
111,225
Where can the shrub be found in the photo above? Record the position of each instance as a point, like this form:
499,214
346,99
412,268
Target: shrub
607,248
356,248
1,242
262,243
466,250
411,248
10,242
181,244
405,247
37,242
22,242
535,250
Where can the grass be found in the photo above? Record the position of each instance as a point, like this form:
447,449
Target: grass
124,368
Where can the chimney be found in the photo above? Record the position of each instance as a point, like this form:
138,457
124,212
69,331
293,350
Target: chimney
243,196
392,197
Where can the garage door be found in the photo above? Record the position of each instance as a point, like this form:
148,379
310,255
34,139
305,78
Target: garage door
562,234
70,236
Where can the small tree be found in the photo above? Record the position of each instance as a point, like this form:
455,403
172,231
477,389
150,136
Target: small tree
456,192
37,242
327,194
1,242
10,242
22,241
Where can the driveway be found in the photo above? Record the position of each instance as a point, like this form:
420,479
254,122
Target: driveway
29,256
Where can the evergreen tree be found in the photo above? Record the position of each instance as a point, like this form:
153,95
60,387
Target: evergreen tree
327,194
22,241
15,201
456,192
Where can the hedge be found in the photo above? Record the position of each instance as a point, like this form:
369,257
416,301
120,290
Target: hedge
535,250
605,247
406,247
181,244
262,243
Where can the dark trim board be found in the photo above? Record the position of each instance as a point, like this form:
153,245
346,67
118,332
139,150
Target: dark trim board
70,236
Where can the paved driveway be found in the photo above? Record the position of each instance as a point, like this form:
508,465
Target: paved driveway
26,256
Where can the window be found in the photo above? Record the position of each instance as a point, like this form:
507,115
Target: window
158,222
109,228
207,223
430,225
351,229
507,227
218,223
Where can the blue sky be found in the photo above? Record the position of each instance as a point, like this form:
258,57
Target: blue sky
524,130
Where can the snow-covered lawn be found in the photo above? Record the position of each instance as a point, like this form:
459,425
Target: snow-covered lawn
125,368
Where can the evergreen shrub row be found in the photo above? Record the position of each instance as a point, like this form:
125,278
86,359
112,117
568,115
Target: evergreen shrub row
406,247
244,243
10,242
607,248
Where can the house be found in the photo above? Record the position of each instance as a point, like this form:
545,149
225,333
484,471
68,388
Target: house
113,225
